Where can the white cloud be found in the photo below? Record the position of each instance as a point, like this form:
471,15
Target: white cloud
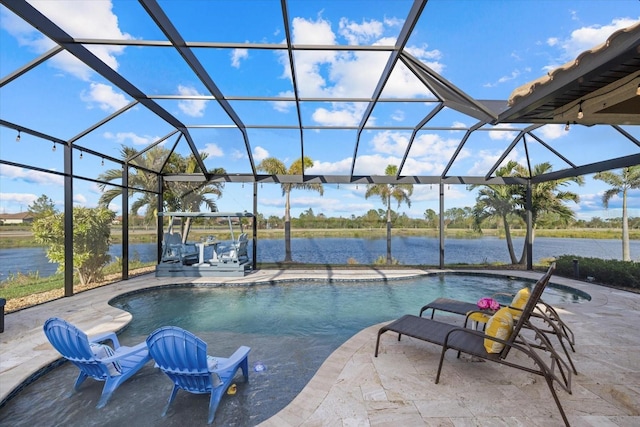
341,167
23,199
357,34
237,55
502,135
94,19
486,160
213,150
340,74
585,38
30,176
260,154
123,137
344,115
191,107
504,79
398,115
237,155
103,95
389,142
79,200
551,132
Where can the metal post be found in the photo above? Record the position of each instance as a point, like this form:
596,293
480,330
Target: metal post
125,221
68,220
159,219
441,224
255,225
529,241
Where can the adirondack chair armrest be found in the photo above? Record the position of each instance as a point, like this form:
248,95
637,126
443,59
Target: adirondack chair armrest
233,360
125,351
106,336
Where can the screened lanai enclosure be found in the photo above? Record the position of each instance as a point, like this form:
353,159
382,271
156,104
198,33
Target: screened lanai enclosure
150,106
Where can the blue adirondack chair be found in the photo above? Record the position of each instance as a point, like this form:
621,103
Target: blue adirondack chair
183,357
95,359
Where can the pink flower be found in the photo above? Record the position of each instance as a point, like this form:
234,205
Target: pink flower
488,304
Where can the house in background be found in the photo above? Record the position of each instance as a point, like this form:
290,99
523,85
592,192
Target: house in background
16,218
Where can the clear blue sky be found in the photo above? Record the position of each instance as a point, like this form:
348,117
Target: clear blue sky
485,48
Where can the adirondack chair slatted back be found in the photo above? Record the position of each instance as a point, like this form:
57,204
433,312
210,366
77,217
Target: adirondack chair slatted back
73,344
534,298
183,357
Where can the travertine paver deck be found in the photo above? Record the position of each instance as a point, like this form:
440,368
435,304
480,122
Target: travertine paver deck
397,388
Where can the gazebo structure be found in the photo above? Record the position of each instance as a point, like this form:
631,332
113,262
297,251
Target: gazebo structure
601,87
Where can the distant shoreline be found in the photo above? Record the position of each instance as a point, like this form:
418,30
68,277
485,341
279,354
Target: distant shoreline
17,238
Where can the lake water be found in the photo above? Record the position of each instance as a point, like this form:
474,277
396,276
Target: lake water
408,250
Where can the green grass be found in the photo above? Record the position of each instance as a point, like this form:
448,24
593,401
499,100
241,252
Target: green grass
21,285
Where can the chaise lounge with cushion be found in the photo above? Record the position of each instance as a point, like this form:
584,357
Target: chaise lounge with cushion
500,338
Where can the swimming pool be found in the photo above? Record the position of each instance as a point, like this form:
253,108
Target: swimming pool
291,327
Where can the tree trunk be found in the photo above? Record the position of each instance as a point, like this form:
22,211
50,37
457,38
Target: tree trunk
626,255
388,242
523,258
287,228
389,230
507,236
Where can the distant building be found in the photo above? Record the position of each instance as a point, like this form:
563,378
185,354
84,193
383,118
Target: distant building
16,218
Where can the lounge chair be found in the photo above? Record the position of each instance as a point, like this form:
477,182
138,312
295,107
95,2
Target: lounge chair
95,359
183,357
483,345
543,311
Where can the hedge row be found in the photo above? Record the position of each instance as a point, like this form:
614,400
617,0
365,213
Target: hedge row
625,274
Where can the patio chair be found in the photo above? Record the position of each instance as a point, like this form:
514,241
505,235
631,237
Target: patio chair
236,252
174,250
543,311
94,358
183,357
495,344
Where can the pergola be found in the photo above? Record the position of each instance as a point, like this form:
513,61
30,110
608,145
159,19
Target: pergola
601,84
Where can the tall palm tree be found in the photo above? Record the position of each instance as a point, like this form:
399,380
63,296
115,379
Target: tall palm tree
399,192
498,201
627,179
274,166
546,197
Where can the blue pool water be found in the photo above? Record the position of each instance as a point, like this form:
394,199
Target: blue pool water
291,329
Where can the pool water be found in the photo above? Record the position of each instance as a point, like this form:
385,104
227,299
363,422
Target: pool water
291,329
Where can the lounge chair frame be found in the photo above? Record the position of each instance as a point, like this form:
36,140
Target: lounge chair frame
471,342
543,311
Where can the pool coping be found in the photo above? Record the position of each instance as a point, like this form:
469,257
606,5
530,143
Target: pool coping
25,349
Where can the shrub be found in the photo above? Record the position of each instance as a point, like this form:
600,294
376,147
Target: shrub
625,274
382,260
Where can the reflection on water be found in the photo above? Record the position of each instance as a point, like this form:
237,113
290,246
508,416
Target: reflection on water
291,329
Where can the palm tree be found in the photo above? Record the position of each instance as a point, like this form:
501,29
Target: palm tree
546,198
179,196
497,201
274,166
628,179
140,182
188,196
400,192
503,201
